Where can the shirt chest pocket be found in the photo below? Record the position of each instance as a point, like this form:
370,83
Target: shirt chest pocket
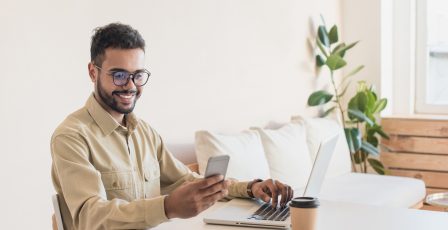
119,185
152,181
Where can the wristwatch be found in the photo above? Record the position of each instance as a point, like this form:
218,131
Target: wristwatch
249,187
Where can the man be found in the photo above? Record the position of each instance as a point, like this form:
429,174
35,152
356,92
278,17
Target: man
111,169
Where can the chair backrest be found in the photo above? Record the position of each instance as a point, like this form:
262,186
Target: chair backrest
57,217
194,167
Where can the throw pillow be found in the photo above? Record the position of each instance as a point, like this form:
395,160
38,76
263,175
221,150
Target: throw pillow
247,158
320,129
287,154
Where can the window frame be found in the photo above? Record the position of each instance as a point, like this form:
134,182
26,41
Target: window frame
422,62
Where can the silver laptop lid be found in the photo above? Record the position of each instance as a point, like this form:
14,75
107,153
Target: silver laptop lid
320,166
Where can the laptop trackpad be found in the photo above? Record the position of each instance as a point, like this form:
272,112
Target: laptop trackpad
235,209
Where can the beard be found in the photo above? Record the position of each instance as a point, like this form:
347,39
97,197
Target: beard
110,101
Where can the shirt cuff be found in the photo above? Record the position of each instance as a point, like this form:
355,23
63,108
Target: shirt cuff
239,189
155,211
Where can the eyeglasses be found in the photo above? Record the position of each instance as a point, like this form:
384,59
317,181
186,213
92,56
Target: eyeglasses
122,77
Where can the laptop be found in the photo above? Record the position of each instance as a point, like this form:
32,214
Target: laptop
256,213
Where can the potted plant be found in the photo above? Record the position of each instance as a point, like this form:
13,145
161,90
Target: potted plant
359,117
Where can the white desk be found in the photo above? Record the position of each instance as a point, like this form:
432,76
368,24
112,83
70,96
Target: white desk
343,216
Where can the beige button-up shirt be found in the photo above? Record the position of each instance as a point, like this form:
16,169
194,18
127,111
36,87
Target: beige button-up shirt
114,177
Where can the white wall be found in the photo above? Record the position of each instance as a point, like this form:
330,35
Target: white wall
362,22
217,65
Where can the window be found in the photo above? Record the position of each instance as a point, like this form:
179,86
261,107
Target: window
431,56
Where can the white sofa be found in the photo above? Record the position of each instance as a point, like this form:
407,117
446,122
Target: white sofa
286,153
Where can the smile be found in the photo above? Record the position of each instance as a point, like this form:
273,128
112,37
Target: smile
126,96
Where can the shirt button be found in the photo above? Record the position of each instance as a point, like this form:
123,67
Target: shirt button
115,184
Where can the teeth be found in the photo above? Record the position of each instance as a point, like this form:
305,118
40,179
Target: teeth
126,96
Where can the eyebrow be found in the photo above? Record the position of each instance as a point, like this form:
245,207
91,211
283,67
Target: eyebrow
120,69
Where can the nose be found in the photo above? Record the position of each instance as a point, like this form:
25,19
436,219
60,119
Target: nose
130,84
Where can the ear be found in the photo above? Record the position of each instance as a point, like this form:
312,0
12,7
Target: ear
92,72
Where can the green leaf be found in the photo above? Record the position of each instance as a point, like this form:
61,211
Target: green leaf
358,102
333,35
338,47
373,92
370,130
358,115
323,36
367,147
377,129
362,86
319,97
370,104
345,48
335,62
349,140
373,119
353,72
381,132
379,106
326,113
377,166
320,60
373,140
321,47
356,137
353,137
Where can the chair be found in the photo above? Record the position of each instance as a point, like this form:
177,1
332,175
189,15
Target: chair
194,167
57,216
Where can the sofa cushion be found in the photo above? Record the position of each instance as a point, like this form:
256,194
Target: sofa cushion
320,129
371,189
287,153
247,158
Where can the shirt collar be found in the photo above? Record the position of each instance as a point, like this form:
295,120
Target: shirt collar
105,121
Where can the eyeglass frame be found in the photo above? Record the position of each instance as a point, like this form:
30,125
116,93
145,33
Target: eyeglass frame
131,75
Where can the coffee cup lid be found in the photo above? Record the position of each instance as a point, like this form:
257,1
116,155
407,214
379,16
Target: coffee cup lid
304,202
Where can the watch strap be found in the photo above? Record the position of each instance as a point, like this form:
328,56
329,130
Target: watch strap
249,187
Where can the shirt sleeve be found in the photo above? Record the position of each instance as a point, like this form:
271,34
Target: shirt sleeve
87,201
173,173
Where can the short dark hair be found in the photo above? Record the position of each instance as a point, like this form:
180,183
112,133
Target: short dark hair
114,35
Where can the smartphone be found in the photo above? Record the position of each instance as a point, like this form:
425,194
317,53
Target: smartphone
217,165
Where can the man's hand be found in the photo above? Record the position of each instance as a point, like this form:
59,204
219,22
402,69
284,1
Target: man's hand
191,198
268,189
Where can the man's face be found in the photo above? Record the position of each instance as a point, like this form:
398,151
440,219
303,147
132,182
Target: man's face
118,99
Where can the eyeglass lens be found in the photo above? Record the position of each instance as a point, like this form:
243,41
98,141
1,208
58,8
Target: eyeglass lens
122,78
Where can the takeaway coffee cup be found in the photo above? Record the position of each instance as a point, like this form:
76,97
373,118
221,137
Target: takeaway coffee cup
303,213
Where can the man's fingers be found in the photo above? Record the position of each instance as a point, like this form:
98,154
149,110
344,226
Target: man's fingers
274,193
270,190
220,186
284,192
291,193
215,197
265,197
207,182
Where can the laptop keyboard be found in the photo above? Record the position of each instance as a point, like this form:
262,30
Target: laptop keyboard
267,212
